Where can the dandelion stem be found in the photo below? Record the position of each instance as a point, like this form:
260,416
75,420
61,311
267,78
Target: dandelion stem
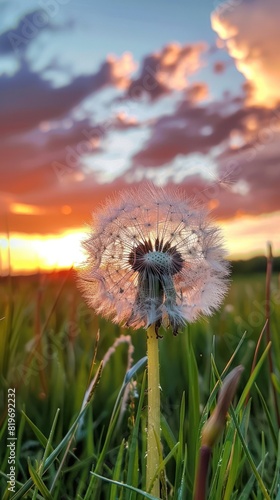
153,436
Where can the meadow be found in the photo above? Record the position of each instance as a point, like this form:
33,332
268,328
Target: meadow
80,413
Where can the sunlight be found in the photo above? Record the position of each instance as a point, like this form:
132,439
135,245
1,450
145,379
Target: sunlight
34,253
25,209
245,237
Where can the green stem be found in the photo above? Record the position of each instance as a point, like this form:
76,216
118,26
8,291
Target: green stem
153,435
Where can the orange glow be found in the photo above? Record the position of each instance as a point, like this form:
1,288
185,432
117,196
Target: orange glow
66,210
24,209
121,68
224,29
256,61
214,203
240,214
33,253
245,236
251,123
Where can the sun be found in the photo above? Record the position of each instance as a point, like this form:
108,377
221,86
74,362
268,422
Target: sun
24,254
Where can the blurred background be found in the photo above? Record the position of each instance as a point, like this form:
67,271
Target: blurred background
100,96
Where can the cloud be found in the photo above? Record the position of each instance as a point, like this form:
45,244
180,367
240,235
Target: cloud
43,144
28,99
197,92
199,128
66,206
122,121
246,182
251,33
27,29
242,143
167,70
255,173
44,157
44,168
47,184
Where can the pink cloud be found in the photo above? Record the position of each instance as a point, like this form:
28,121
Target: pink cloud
197,92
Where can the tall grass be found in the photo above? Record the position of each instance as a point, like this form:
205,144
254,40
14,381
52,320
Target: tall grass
81,422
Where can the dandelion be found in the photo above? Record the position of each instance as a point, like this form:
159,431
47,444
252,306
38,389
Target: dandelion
153,258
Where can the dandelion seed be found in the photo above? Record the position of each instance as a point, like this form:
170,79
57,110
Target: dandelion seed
153,257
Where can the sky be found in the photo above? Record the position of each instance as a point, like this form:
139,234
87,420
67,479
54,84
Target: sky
96,97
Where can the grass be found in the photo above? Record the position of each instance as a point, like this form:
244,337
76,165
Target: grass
75,443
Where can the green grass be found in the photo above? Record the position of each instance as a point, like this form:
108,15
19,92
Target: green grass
77,445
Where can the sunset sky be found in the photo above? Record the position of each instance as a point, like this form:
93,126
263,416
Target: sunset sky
99,96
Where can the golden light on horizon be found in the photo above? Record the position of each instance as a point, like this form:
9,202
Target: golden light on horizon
34,253
245,237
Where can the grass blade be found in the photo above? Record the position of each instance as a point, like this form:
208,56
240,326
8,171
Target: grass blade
37,480
123,485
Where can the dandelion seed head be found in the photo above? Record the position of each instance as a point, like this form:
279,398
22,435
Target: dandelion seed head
153,256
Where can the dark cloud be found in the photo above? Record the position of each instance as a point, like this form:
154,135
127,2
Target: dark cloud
17,39
254,180
27,99
41,159
27,29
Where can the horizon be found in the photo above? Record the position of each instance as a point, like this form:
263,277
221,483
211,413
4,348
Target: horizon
25,272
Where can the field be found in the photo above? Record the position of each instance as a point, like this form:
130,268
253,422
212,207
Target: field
51,350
